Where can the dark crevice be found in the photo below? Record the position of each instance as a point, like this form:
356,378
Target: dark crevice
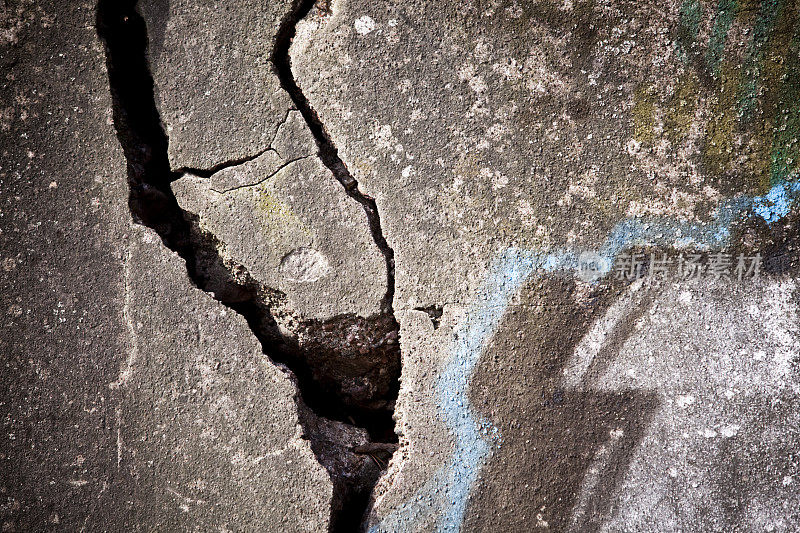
435,313
328,153
351,504
346,368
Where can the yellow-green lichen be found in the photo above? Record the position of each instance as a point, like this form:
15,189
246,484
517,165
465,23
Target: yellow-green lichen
785,146
679,115
644,120
721,124
276,217
768,109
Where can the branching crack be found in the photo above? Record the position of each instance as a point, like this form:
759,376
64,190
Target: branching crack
262,180
208,172
346,368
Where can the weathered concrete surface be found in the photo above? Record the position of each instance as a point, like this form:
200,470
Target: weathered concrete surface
276,212
63,219
663,407
542,125
129,400
207,425
290,223
282,215
519,136
667,415
720,450
501,141
217,94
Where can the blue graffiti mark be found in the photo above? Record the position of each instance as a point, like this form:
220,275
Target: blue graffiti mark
643,232
505,279
440,504
777,202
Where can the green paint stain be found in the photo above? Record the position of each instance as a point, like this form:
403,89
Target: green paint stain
688,25
754,59
726,13
785,149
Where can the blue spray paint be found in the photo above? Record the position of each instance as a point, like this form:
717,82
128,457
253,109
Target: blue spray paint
777,202
440,504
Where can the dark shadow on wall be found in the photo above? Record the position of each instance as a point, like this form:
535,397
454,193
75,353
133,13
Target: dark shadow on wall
551,436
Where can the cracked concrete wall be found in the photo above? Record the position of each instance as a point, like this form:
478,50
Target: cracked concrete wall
236,366
207,426
286,219
296,231
216,92
128,397
538,126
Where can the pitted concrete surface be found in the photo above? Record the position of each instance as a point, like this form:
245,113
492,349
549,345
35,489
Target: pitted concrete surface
719,451
63,223
216,92
647,421
128,397
207,425
462,180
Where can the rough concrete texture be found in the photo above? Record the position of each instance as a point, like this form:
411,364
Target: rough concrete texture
721,447
438,174
207,425
63,220
286,219
543,125
520,136
663,416
649,410
216,92
127,396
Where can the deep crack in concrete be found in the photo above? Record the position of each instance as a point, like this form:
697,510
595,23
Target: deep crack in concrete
328,153
331,419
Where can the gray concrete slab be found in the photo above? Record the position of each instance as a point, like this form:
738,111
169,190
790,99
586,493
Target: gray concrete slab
216,91
63,223
291,224
206,425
